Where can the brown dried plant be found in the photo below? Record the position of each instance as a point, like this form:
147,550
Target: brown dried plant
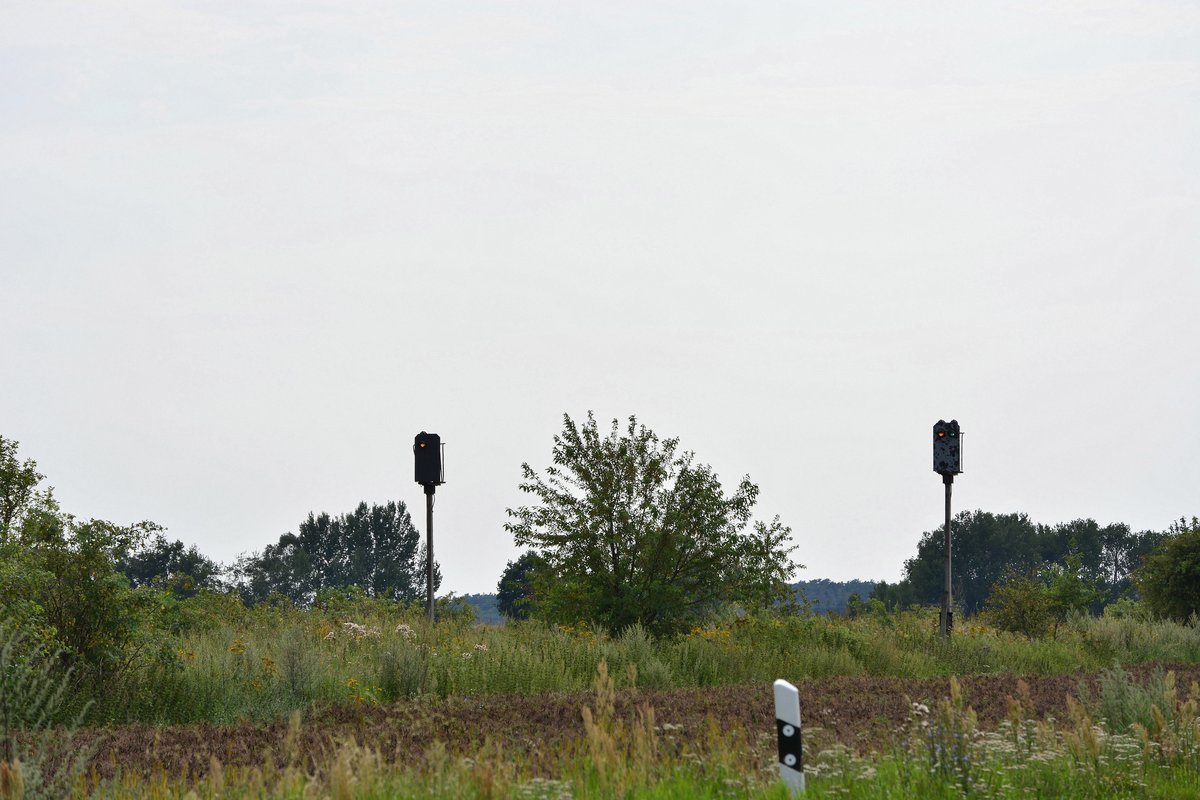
12,781
623,756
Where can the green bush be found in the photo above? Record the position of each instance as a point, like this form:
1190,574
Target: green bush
1169,579
1021,604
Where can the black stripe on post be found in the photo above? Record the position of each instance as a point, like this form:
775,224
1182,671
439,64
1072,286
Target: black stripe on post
790,754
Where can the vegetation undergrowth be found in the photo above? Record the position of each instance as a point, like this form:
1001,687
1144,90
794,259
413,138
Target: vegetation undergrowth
38,759
263,662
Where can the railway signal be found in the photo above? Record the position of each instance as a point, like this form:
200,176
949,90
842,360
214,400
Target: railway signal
428,470
947,462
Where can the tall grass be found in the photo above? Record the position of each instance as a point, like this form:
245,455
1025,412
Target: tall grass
37,756
265,662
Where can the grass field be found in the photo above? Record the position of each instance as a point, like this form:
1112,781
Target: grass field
366,701
263,663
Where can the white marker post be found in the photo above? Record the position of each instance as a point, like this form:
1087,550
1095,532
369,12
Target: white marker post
787,726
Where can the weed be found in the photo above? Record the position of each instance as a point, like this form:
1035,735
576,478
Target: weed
38,757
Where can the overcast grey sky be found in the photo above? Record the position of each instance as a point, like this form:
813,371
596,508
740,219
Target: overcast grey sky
249,249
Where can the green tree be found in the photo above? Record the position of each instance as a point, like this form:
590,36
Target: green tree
170,566
1073,589
833,597
1021,603
59,586
988,548
1029,602
985,547
62,594
375,547
23,506
897,596
632,530
514,593
1169,578
89,603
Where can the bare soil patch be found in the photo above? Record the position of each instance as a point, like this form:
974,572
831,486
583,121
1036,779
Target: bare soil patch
863,713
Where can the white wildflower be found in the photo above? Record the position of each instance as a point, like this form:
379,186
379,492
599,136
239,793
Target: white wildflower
359,631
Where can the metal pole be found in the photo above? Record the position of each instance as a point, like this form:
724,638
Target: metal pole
429,489
946,624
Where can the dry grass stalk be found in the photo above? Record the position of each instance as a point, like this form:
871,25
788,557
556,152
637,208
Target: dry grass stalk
12,781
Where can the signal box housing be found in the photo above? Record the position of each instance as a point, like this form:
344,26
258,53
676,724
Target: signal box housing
947,447
427,459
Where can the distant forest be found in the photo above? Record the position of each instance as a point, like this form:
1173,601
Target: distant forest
485,608
826,597
830,597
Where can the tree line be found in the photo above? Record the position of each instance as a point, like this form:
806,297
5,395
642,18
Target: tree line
375,548
624,527
98,595
987,548
819,596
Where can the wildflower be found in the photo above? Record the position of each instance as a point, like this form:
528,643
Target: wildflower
544,789
238,647
481,647
466,655
359,631
331,636
405,630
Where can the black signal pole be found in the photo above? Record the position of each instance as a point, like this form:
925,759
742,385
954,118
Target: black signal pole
947,462
429,489
946,622
429,472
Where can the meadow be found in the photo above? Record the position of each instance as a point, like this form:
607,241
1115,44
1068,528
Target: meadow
265,662
367,699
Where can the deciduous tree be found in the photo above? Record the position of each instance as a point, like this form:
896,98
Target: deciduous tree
375,547
634,530
514,593
988,548
1169,579
170,566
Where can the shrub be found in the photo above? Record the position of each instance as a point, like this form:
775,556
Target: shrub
1021,604
1169,579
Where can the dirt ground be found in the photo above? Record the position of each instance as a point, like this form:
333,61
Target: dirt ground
863,713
